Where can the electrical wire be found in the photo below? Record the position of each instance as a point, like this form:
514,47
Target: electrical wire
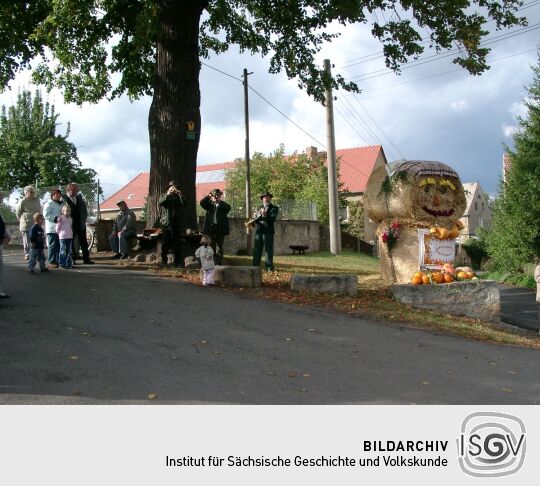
435,57
380,54
264,99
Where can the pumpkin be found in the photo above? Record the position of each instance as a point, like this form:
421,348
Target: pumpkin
425,279
470,274
462,275
448,268
418,274
448,278
416,280
464,269
437,277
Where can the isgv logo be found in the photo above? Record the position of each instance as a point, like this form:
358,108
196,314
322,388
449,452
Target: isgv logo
491,444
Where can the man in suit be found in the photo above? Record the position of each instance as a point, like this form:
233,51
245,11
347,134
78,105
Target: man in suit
172,220
264,234
216,222
79,213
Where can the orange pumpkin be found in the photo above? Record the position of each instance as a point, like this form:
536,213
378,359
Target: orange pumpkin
418,274
437,277
425,279
448,278
416,280
462,275
448,268
469,274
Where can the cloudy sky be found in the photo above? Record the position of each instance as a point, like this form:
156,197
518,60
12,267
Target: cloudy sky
433,110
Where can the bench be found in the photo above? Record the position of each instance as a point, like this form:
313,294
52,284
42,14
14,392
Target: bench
299,248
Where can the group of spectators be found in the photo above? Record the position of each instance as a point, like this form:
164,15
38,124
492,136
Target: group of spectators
70,205
62,223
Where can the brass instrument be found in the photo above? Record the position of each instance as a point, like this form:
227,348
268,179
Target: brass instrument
251,223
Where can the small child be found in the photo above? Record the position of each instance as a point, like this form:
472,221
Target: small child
37,244
206,255
64,229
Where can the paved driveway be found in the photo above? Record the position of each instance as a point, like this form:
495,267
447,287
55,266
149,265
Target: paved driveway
101,335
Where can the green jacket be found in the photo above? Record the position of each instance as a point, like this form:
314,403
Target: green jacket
265,222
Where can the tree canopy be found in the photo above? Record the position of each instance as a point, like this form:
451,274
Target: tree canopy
95,49
31,149
296,178
514,237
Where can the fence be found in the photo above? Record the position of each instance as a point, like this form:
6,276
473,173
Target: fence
90,193
289,209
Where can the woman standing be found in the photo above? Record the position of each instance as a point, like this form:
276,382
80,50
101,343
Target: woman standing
26,208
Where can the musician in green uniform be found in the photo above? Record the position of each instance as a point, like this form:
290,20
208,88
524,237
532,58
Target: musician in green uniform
264,234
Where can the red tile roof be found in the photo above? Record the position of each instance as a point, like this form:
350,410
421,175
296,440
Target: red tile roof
356,165
355,168
134,193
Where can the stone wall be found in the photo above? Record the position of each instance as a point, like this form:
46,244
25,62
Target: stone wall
13,230
287,233
348,242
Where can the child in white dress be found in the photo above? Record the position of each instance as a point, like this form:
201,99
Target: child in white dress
206,255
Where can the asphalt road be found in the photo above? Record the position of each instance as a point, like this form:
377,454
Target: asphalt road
519,307
97,334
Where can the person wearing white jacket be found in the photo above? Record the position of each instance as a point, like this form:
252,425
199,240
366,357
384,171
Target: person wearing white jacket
51,211
25,210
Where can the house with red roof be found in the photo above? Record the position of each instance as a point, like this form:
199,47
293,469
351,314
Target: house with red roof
356,165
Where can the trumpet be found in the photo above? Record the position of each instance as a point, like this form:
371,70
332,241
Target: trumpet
250,224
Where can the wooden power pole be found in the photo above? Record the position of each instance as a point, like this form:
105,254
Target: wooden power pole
333,207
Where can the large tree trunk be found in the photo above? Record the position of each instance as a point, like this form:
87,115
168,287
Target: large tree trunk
175,104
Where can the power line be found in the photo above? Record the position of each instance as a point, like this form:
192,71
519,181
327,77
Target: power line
355,115
379,128
435,57
222,72
283,114
444,73
264,99
379,54
358,117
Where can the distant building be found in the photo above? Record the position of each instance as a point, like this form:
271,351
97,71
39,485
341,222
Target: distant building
478,213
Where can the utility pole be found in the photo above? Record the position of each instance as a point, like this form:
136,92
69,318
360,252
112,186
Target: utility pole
248,169
333,208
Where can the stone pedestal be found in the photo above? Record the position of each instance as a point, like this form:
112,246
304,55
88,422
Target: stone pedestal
240,276
477,299
326,284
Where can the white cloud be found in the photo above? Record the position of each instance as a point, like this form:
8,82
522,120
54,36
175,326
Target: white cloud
459,106
509,130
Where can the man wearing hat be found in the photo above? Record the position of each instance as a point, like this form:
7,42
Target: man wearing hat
123,230
172,220
216,222
79,214
264,234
